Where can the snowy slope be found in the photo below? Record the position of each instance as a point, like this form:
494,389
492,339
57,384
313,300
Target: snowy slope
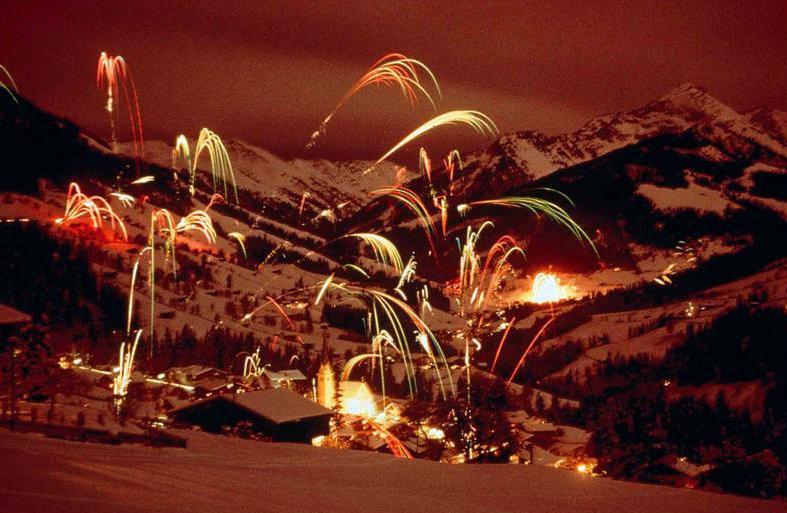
519,157
220,474
329,183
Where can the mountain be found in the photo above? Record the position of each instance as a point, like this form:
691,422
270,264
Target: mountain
328,183
521,157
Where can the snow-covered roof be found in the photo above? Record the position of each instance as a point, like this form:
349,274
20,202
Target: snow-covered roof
10,316
285,375
278,405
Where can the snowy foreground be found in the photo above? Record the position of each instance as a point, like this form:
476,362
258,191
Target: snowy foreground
218,474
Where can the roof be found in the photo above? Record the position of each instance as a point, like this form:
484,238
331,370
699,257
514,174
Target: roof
278,405
285,375
211,383
10,316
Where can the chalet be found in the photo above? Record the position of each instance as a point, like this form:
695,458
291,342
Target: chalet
277,413
284,378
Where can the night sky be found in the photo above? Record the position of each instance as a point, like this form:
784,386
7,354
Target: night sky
268,72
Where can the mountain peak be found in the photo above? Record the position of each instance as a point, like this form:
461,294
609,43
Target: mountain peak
693,98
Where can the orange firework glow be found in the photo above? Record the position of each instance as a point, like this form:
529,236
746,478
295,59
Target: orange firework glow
113,73
79,205
548,289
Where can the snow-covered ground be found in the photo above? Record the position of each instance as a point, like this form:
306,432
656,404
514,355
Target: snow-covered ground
217,474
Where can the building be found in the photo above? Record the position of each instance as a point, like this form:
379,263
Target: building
326,386
277,413
284,378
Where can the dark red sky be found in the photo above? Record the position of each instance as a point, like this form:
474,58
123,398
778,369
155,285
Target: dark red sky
268,72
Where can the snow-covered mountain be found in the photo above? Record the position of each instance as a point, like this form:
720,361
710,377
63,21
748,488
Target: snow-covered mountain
328,183
521,157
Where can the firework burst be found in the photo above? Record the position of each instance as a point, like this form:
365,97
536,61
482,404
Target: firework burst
390,70
113,73
478,121
95,208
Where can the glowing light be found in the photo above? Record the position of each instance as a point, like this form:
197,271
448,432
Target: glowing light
10,87
240,238
547,289
393,69
125,365
113,71
478,121
96,208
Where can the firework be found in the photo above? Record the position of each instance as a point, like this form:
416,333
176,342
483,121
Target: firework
538,206
478,121
220,165
425,165
500,345
547,289
96,208
303,203
451,162
128,351
143,180
125,199
252,366
408,273
113,73
393,69
240,238
383,308
357,269
324,287
529,347
385,251
215,199
181,156
352,362
198,221
413,203
9,87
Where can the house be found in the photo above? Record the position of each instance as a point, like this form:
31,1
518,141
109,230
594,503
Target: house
11,318
284,378
277,413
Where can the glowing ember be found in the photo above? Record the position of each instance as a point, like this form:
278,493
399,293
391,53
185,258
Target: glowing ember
547,289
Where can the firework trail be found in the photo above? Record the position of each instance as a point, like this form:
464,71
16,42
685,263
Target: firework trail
143,180
240,238
126,356
529,347
385,251
215,199
303,203
9,87
411,200
406,276
393,69
113,73
537,206
252,365
352,362
425,165
324,287
500,345
79,205
383,308
220,165
125,199
478,121
357,269
181,156
450,164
